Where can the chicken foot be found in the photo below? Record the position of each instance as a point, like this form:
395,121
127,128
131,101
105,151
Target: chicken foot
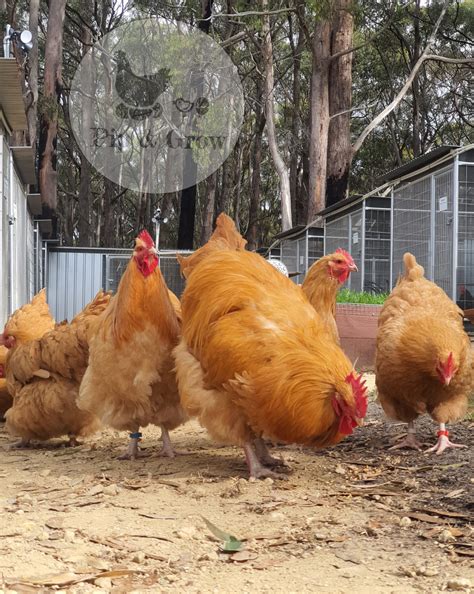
443,441
133,451
23,444
409,441
265,457
72,443
256,468
167,449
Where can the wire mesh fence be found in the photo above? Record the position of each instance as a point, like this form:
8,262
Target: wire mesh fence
465,268
412,225
300,252
115,265
377,251
434,220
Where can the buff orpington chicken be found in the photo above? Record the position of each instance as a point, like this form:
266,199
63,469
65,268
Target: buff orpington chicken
130,381
322,282
43,376
28,322
256,361
5,398
224,237
424,356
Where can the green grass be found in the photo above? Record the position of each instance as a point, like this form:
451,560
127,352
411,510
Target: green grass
348,296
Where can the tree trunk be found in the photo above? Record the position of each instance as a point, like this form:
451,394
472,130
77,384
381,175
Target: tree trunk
238,185
254,206
84,222
319,119
280,166
223,198
209,203
50,104
32,100
415,87
187,213
107,227
295,119
339,154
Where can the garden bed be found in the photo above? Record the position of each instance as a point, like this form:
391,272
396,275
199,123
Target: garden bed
357,326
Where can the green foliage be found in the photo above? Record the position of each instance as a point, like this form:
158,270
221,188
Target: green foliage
384,35
348,296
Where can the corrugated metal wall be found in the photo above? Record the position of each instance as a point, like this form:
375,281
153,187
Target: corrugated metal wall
73,279
75,276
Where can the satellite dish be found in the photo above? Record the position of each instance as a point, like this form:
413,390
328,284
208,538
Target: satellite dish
26,39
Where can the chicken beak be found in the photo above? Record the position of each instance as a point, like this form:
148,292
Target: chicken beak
353,267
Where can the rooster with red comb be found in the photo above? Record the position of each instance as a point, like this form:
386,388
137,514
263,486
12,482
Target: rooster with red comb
323,281
130,381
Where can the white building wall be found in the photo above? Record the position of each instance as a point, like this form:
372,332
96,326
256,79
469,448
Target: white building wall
17,238
4,229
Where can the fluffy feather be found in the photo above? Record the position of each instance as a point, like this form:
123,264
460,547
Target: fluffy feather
130,381
421,336
43,375
175,302
250,365
30,321
5,398
224,237
322,282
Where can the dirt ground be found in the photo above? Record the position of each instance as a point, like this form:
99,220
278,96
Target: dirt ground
354,518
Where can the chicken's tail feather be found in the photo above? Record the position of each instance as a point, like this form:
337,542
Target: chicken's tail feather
413,270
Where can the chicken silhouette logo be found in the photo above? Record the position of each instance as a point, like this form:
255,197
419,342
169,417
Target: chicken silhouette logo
139,94
156,109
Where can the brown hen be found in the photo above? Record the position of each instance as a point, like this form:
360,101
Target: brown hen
424,357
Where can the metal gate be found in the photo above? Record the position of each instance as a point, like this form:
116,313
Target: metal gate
356,243
443,230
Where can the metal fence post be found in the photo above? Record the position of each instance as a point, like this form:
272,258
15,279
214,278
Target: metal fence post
455,224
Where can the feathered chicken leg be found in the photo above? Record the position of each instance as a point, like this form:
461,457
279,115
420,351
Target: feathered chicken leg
72,443
167,449
23,444
443,441
264,455
409,441
256,468
133,451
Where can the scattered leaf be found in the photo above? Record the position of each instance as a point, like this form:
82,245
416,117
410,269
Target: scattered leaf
155,517
447,513
54,523
96,490
243,556
349,558
60,579
231,543
145,536
454,494
421,517
135,485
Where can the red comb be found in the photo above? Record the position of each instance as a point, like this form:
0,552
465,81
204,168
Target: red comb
146,238
359,390
346,255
